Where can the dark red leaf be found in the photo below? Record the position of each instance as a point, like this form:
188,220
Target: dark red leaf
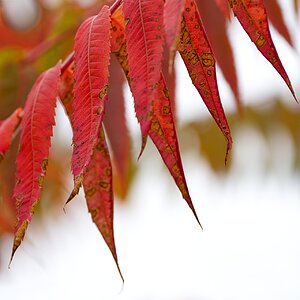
32,158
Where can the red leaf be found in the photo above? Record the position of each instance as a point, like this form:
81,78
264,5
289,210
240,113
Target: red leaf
7,129
275,15
116,127
162,129
172,19
92,49
163,135
252,16
200,62
97,183
97,179
215,25
144,37
32,158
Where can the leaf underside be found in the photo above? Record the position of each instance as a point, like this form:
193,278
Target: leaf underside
32,159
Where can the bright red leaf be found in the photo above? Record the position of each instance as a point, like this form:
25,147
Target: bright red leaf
144,38
7,129
200,62
32,159
92,50
253,17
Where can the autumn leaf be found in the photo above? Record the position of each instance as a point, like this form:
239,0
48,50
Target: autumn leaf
98,189
199,59
162,129
92,49
215,24
97,179
32,159
7,129
144,38
253,18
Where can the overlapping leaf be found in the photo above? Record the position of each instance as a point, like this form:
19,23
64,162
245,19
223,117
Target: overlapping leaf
215,25
253,17
144,38
7,129
32,158
92,49
97,179
200,62
162,129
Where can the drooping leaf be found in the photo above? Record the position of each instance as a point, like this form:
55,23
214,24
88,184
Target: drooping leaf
163,135
32,159
199,59
275,15
97,179
215,25
162,129
92,49
253,18
7,129
97,184
116,128
144,38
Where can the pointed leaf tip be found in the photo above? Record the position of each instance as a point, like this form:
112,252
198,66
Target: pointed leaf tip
35,142
92,56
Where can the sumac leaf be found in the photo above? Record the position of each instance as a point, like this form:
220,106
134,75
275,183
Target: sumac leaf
199,59
7,129
32,159
97,177
215,24
253,18
92,50
97,184
144,37
162,129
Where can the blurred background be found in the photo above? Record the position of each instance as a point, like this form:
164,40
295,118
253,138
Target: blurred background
249,209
